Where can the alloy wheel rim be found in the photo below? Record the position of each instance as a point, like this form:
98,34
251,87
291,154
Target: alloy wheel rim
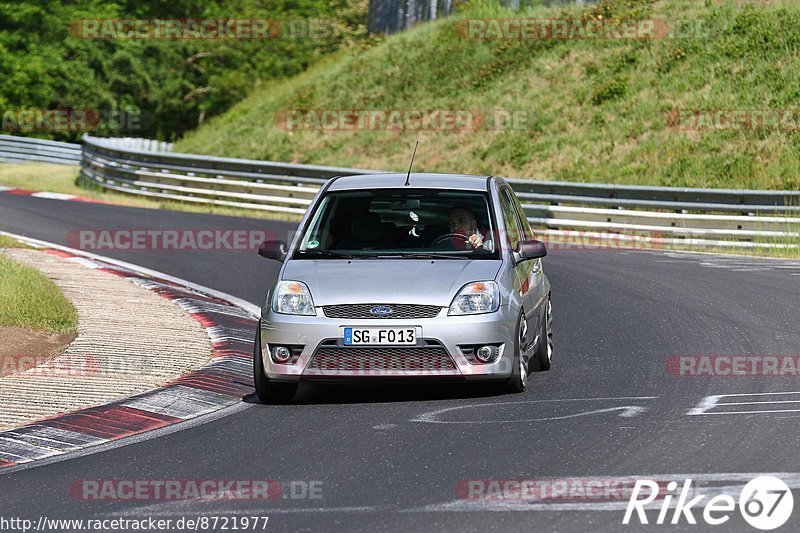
549,331
523,334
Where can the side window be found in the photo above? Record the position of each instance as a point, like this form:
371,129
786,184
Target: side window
527,232
510,219
318,233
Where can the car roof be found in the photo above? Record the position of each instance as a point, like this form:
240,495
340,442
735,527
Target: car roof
419,180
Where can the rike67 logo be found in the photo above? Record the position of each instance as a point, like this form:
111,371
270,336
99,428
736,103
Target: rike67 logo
765,503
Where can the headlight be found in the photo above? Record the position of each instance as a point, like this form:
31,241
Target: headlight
293,298
476,298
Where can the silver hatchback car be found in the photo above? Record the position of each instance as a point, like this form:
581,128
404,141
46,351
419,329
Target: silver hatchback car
390,276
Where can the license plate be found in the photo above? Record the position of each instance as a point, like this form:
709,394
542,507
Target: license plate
384,336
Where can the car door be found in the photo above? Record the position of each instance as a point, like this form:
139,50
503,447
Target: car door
537,283
524,275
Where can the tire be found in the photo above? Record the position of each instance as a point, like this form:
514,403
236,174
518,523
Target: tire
518,381
267,390
544,350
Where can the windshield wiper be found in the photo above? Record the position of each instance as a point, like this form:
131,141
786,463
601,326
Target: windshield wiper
417,255
327,253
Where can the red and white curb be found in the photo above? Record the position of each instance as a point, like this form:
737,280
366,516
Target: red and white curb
49,195
224,381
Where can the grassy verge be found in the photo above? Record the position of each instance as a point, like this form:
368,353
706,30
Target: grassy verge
788,246
63,179
29,300
599,110
9,242
780,253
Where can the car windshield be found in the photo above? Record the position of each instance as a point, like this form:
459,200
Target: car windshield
421,223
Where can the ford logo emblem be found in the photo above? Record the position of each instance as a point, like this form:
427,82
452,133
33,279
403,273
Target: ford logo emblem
381,310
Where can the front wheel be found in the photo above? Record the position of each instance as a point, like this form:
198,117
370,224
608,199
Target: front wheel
519,373
268,390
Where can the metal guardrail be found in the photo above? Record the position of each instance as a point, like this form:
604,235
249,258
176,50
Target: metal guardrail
260,185
657,216
26,149
134,143
665,216
673,198
650,215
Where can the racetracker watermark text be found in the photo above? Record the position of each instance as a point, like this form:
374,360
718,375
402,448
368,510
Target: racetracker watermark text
208,239
72,120
169,239
402,119
548,490
589,29
193,489
721,120
203,29
734,365
45,367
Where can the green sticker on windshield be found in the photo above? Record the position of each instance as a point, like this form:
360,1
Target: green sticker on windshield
312,244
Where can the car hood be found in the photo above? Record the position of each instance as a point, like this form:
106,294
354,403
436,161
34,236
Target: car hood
417,281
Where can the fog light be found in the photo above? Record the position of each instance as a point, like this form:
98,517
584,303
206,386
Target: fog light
486,354
281,354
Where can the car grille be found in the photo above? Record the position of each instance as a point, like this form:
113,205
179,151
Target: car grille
360,311
396,359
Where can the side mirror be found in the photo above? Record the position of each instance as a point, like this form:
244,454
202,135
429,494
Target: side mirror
531,250
272,250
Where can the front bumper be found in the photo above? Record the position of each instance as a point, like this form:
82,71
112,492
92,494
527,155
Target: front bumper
320,334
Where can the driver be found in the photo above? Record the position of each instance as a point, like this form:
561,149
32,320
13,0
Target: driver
463,222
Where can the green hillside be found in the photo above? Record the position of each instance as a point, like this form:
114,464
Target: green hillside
600,110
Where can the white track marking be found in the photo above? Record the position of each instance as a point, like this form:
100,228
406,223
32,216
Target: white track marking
754,412
733,263
26,450
179,402
761,403
54,195
709,403
627,411
193,305
88,263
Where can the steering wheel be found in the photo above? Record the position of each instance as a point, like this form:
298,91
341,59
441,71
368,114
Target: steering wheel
442,238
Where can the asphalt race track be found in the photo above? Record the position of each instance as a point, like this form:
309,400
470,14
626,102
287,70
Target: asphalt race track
388,458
